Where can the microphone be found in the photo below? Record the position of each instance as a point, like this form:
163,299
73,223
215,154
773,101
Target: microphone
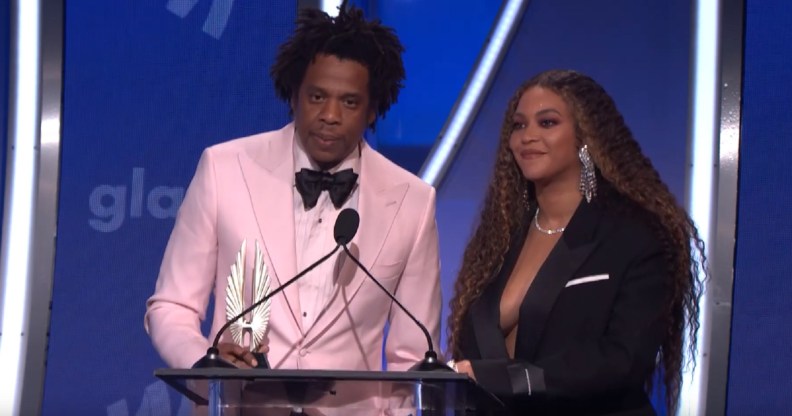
346,227
352,219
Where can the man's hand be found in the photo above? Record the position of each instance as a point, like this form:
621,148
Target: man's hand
239,356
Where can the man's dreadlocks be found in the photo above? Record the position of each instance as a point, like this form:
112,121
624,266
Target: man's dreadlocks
347,36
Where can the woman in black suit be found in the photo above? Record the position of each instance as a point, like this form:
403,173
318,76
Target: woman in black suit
580,279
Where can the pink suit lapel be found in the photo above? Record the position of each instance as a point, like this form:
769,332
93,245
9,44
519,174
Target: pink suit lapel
380,200
269,178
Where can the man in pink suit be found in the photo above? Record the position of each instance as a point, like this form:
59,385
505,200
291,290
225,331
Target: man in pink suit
285,189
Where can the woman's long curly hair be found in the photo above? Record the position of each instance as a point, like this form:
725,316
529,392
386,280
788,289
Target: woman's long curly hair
623,170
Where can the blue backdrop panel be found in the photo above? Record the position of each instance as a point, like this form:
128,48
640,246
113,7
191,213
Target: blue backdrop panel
637,50
442,39
760,362
147,85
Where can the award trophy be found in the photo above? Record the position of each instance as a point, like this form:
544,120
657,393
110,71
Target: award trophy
254,326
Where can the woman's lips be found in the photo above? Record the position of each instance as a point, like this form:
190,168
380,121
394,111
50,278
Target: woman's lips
530,154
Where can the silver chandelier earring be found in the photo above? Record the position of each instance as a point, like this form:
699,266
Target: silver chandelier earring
588,179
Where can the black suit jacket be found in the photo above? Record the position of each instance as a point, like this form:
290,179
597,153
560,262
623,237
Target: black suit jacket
583,346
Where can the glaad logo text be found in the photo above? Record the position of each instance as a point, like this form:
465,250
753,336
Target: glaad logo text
108,203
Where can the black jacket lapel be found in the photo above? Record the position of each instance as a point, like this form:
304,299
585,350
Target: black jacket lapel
577,243
488,337
485,312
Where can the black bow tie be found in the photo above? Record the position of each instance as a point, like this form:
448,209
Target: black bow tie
311,183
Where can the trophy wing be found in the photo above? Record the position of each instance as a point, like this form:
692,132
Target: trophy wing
261,313
235,303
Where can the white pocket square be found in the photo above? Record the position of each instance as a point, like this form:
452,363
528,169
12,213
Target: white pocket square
587,279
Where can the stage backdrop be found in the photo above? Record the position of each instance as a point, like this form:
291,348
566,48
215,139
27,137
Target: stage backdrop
760,360
442,39
147,85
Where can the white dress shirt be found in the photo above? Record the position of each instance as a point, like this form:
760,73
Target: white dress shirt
313,232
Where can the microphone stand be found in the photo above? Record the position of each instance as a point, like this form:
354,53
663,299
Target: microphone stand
430,361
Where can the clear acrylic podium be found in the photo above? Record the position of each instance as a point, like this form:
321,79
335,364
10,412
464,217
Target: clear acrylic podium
239,392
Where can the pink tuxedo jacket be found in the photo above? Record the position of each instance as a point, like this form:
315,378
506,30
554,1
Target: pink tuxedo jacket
242,189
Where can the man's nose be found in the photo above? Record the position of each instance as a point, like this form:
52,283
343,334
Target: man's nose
331,112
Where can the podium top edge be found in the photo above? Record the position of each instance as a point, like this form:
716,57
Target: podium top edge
254,373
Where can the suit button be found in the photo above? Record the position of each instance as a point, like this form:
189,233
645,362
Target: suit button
303,352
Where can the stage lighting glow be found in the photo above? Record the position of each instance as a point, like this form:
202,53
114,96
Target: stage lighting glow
20,195
331,7
703,139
